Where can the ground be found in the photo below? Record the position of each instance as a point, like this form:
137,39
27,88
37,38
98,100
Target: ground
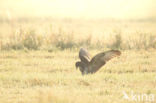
51,77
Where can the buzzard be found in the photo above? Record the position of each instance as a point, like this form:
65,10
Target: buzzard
90,66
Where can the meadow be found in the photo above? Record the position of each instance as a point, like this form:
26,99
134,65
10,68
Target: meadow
38,55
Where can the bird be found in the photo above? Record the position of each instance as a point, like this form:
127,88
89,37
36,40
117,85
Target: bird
88,65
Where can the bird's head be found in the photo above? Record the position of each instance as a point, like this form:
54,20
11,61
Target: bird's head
81,66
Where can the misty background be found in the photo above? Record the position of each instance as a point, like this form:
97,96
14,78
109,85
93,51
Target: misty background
115,9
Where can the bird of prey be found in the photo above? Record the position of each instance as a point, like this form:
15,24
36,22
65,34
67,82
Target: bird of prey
90,66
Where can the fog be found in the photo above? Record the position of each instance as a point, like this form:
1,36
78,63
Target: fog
120,9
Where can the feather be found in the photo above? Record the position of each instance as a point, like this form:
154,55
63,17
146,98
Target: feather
84,56
88,65
100,59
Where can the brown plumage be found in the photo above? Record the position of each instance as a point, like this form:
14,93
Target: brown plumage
87,65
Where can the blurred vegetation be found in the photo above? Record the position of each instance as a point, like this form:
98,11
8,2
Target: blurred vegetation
23,34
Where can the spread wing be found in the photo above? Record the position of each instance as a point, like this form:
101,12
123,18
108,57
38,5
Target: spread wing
100,59
84,56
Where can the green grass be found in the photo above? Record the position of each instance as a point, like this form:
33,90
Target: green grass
51,77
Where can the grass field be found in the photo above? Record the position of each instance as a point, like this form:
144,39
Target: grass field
51,77
37,61
40,41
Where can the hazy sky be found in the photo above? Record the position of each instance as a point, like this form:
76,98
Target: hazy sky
80,8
